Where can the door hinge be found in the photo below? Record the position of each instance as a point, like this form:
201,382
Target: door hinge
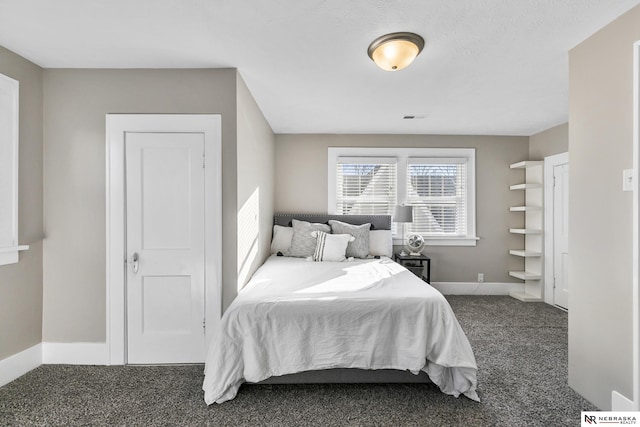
204,323
554,283
202,160
554,180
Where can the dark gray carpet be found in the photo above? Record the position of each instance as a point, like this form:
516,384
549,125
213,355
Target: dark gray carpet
521,349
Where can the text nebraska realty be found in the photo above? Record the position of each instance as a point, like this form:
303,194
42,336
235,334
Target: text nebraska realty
610,419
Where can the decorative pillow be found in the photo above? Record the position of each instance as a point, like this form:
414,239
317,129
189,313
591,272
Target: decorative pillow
358,248
281,241
380,243
330,247
303,243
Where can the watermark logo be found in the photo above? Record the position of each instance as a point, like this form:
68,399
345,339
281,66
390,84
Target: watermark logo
590,419
609,418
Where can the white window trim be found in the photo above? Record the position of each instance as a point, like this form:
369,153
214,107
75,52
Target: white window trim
402,155
9,250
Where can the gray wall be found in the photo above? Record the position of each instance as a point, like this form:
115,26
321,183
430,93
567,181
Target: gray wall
256,151
21,283
301,183
600,213
549,142
75,104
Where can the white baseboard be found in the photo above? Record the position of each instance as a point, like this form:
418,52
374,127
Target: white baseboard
474,288
75,353
19,364
620,403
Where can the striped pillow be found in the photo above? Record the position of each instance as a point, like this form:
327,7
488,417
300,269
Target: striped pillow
330,247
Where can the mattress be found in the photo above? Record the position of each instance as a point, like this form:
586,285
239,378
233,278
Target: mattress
296,315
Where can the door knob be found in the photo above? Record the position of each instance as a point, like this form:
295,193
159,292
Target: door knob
135,262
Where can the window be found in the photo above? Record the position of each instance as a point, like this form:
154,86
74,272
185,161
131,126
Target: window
436,188
439,183
9,171
365,186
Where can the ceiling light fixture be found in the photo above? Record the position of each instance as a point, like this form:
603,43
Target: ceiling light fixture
395,51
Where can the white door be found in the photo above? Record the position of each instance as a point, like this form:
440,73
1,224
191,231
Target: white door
165,243
561,235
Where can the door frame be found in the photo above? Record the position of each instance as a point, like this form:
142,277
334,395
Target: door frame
549,163
116,126
636,229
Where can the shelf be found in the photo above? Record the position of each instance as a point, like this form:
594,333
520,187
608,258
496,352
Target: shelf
15,248
527,164
525,254
524,297
532,250
525,208
524,231
525,275
525,186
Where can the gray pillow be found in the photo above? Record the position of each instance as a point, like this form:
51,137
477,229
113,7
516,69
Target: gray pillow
303,244
359,248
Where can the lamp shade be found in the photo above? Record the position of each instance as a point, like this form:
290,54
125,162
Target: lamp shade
403,214
395,51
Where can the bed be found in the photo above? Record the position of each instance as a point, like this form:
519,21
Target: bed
297,317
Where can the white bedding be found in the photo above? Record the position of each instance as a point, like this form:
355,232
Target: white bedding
295,315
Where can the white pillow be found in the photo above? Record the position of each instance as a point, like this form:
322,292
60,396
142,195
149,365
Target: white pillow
330,247
281,241
380,243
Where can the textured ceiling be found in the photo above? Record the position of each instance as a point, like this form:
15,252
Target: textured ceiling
489,66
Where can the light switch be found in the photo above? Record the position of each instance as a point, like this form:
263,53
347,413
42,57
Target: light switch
627,180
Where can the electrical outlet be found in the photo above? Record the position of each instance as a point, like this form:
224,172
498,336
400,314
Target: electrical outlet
480,277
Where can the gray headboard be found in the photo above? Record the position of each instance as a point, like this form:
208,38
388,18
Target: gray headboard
378,222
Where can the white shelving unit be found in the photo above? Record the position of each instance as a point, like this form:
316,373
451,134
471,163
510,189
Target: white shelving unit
532,231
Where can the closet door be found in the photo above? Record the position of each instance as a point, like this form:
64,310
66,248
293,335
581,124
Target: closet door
165,240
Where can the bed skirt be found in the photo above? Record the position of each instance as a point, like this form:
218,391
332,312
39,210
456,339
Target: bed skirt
349,376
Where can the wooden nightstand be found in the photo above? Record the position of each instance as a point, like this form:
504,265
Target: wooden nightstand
416,264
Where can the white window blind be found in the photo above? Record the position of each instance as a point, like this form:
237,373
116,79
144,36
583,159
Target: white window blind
365,185
437,188
438,182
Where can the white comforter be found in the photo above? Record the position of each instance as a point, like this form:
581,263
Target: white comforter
295,315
